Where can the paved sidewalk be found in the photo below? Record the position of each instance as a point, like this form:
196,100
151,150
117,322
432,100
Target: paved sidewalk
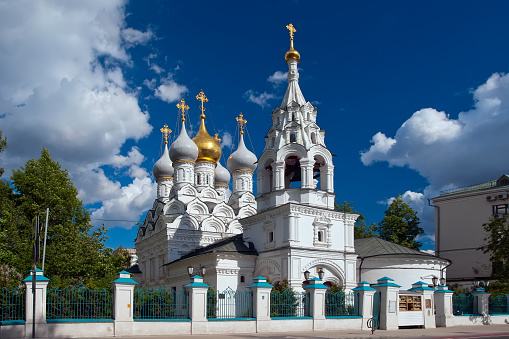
492,331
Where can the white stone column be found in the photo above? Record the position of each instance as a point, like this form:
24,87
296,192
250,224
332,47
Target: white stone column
306,169
41,285
279,175
316,292
443,305
364,295
482,300
123,304
426,293
261,303
389,299
197,304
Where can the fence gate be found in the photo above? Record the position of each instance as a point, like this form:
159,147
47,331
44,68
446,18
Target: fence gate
376,306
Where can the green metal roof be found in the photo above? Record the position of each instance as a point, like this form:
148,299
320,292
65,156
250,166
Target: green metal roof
375,247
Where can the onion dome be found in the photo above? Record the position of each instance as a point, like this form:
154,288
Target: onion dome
208,147
163,168
242,158
222,176
292,53
183,148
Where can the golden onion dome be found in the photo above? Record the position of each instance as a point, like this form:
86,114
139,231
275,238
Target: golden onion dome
292,54
208,147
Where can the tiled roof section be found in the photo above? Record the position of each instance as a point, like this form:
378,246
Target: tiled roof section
375,247
235,244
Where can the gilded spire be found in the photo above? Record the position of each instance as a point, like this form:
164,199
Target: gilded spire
183,109
292,53
201,97
166,133
241,121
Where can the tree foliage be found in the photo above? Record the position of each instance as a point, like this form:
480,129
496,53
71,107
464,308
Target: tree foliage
75,252
361,228
497,245
3,145
401,224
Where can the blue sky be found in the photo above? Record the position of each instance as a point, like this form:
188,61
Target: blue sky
413,96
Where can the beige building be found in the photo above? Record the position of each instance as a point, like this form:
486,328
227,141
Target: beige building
459,218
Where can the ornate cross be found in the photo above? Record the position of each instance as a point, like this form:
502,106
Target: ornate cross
183,109
217,138
201,97
292,30
240,119
166,133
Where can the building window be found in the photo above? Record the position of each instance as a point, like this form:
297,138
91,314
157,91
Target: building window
271,236
242,279
320,236
293,137
500,209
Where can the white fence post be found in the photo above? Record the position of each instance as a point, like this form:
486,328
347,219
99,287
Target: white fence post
197,304
443,303
123,303
482,300
261,301
364,302
389,298
41,286
427,301
316,292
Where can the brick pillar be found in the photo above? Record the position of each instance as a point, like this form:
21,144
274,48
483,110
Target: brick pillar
316,292
389,298
443,303
41,285
364,295
197,304
123,303
427,301
482,300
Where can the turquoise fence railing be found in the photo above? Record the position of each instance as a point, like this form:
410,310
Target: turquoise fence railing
78,302
289,304
340,304
229,304
499,304
160,304
12,304
463,304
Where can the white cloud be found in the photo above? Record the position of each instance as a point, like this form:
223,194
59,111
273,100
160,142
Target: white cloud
278,78
226,140
156,68
169,90
259,99
451,152
62,87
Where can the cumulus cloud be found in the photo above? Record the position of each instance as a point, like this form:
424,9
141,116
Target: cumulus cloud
226,140
278,78
62,87
169,90
260,99
451,152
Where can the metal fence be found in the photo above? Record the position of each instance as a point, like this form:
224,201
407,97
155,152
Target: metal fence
289,304
499,304
229,304
12,304
340,304
463,304
78,302
160,304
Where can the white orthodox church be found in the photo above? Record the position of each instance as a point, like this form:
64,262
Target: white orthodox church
289,227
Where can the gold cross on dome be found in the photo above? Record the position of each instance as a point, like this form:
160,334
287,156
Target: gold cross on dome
291,29
183,109
240,119
166,133
217,138
201,97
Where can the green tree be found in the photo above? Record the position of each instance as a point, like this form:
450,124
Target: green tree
75,252
401,224
497,245
361,228
3,146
